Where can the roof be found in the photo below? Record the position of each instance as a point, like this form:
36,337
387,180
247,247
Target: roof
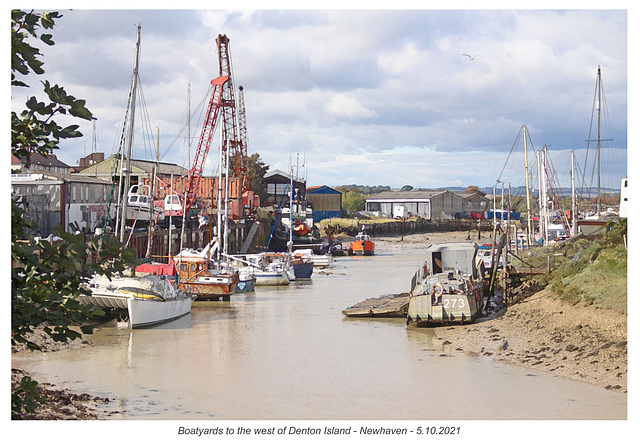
322,190
36,158
470,194
138,167
69,178
279,177
408,195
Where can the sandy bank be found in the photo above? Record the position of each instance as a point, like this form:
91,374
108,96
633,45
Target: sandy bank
542,333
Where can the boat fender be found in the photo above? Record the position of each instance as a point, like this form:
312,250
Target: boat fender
438,289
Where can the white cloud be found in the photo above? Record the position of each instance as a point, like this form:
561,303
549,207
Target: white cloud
335,82
342,106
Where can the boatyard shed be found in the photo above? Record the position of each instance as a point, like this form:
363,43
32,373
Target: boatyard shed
474,203
71,201
140,170
432,205
278,182
326,202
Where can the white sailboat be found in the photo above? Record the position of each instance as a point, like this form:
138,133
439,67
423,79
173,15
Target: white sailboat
594,221
148,300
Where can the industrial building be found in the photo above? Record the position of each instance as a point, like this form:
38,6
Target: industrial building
431,205
326,202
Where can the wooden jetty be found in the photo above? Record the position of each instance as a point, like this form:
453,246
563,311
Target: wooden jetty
389,305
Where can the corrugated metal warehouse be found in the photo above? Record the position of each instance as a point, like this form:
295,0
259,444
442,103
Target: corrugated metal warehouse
432,205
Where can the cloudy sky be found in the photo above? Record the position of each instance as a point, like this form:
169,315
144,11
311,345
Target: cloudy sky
429,98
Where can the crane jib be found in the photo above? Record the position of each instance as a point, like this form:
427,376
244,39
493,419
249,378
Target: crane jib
208,129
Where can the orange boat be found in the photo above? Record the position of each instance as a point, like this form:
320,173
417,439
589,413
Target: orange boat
363,245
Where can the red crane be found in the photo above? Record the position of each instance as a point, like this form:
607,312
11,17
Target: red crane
241,165
204,143
230,134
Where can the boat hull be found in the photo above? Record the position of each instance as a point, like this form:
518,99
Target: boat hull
205,288
146,312
425,310
246,286
363,248
303,270
275,278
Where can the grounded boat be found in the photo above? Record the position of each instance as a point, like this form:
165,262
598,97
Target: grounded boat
363,245
448,288
204,279
246,280
269,269
302,268
148,300
320,260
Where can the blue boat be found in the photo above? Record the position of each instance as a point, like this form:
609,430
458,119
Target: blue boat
303,269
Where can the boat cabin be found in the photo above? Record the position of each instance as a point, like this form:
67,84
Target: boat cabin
453,256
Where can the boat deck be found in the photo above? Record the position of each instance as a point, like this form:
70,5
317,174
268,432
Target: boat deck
389,305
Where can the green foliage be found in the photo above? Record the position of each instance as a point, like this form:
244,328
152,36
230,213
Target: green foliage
33,130
353,201
26,398
473,190
46,276
366,190
256,170
594,270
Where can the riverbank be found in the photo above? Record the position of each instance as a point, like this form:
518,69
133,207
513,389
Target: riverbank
541,333
585,343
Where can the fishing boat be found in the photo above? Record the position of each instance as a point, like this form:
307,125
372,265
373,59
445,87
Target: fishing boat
148,300
448,288
362,245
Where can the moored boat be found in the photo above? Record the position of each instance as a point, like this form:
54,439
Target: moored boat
302,268
362,245
148,300
206,282
270,269
246,280
448,288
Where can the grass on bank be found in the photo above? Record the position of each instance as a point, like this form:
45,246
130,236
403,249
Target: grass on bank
589,270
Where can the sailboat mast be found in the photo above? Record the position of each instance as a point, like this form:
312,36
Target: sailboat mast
127,173
598,108
526,171
574,217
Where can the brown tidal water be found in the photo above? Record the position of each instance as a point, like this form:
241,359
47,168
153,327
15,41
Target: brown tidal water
288,353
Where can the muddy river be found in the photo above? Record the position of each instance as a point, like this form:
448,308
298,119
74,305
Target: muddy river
287,353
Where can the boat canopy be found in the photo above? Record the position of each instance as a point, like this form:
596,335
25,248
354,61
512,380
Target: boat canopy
451,256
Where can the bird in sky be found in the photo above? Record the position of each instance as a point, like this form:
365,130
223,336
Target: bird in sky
470,56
